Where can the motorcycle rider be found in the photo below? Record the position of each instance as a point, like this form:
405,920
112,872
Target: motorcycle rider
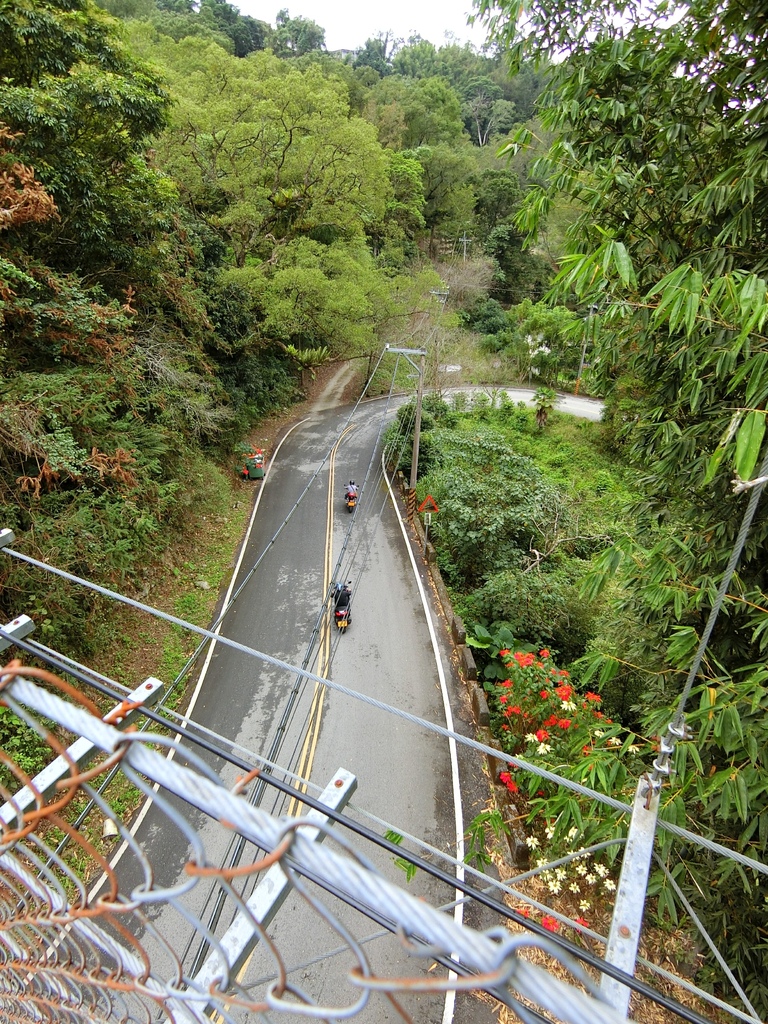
342,595
351,491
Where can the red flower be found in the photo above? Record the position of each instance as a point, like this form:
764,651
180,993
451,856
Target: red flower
508,781
563,674
507,682
544,653
593,696
552,720
582,921
505,727
564,723
544,694
503,699
550,923
503,653
564,692
515,710
584,750
541,735
525,911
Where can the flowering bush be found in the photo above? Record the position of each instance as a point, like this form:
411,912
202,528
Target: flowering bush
538,710
540,715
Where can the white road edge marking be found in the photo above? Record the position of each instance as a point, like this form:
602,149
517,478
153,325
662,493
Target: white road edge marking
458,912
206,664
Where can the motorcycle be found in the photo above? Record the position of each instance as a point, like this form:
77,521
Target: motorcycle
343,619
350,500
342,612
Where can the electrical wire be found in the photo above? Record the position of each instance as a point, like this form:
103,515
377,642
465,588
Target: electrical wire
517,762
450,880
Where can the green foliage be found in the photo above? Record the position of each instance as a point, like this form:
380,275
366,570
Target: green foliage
477,837
495,507
544,402
407,866
541,715
658,134
545,608
294,37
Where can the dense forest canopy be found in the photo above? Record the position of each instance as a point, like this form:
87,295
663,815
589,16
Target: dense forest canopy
196,207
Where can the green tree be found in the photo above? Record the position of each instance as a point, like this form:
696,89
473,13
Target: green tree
86,108
659,136
376,54
294,37
416,60
544,402
447,193
268,151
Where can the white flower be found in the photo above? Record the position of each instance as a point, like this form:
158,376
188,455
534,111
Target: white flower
633,748
614,741
549,831
554,887
530,737
543,748
567,705
585,905
609,884
540,862
590,878
532,842
560,873
598,733
574,887
601,870
573,832
581,869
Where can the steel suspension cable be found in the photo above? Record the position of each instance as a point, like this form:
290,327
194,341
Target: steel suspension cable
518,762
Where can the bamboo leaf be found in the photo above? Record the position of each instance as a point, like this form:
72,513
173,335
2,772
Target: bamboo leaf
748,443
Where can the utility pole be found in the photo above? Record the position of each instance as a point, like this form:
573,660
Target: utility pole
464,241
417,424
422,353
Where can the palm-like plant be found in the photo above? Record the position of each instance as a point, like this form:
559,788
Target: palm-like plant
544,402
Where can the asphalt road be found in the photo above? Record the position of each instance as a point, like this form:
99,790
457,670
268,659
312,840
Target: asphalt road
404,773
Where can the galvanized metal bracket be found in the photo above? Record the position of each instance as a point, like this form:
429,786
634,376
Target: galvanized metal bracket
79,753
627,921
269,895
21,626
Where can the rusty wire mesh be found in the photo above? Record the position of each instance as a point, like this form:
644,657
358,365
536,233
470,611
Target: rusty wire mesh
83,940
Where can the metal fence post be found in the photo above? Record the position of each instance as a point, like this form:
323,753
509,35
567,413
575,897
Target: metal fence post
627,920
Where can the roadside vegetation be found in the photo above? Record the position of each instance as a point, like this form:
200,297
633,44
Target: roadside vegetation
198,210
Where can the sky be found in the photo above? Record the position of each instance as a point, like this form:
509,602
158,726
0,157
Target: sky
348,23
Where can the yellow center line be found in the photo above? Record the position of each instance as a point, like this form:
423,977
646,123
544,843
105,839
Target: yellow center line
313,726
306,759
